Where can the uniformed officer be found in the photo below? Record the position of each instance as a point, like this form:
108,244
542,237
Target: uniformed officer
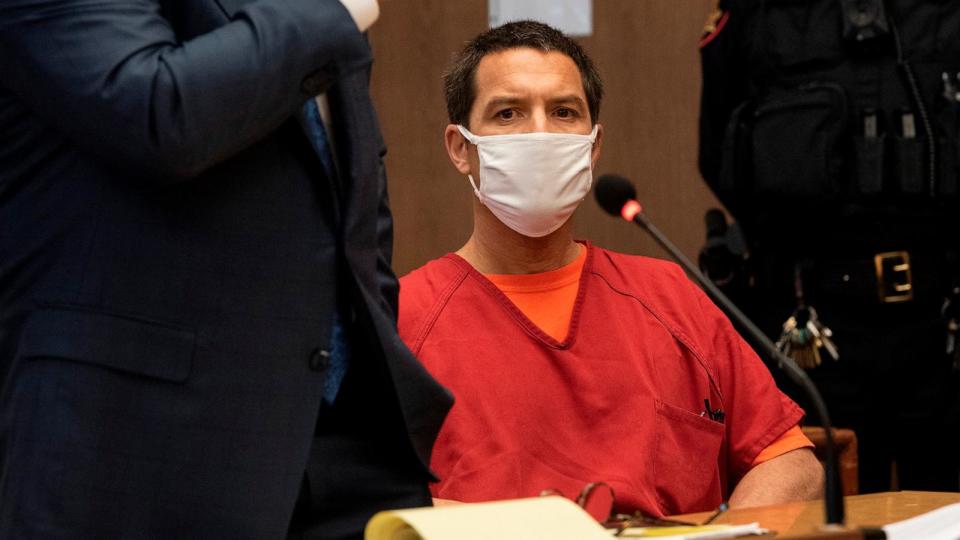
830,129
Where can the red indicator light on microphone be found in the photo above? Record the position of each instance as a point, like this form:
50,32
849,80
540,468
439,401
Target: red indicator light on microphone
630,210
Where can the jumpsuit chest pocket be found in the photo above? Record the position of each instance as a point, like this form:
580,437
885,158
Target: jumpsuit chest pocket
686,471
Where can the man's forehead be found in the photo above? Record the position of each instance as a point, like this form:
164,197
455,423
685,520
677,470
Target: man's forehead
522,69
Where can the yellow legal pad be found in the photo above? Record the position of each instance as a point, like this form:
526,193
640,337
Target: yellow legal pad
539,518
546,518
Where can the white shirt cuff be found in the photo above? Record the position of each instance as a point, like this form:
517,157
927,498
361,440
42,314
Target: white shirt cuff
364,12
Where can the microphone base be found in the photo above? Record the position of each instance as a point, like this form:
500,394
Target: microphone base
840,532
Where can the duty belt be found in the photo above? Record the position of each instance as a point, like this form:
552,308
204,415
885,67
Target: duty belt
889,277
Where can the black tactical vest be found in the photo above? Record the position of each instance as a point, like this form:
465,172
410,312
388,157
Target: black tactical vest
851,108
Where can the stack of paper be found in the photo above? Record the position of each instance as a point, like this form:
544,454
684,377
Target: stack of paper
940,524
700,532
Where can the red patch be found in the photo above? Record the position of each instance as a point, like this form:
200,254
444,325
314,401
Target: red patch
718,19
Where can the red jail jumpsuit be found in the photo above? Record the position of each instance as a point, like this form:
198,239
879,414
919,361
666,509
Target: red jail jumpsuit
617,397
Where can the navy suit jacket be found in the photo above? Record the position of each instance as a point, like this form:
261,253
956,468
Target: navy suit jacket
169,246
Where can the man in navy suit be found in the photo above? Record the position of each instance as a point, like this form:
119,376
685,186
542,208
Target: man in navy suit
197,310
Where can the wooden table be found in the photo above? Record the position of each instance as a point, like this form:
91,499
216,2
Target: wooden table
805,518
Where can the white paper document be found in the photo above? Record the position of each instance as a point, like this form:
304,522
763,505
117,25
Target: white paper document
700,532
940,524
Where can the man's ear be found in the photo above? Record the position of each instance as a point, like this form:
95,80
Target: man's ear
458,148
597,143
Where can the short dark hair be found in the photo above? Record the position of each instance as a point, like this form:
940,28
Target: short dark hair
459,81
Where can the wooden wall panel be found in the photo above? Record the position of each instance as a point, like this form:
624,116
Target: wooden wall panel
646,51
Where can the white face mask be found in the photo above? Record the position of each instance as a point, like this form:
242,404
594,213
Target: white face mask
533,182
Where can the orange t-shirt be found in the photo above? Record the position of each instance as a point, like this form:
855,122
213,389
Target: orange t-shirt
547,299
793,439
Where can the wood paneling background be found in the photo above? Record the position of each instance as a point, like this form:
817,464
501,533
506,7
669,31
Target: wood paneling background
646,51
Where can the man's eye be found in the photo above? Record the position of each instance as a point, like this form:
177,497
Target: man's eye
564,112
505,114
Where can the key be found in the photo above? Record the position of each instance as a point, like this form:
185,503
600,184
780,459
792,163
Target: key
951,315
796,340
803,336
822,335
952,348
952,336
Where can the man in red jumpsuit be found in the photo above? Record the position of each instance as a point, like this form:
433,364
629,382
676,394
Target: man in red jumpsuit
572,364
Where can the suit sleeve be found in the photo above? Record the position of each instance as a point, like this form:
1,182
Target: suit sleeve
113,76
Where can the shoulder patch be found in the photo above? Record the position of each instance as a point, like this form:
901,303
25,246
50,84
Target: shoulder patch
714,25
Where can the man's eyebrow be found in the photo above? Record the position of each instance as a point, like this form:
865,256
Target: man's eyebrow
572,98
498,101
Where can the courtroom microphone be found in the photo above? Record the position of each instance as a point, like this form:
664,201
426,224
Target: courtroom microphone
617,196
